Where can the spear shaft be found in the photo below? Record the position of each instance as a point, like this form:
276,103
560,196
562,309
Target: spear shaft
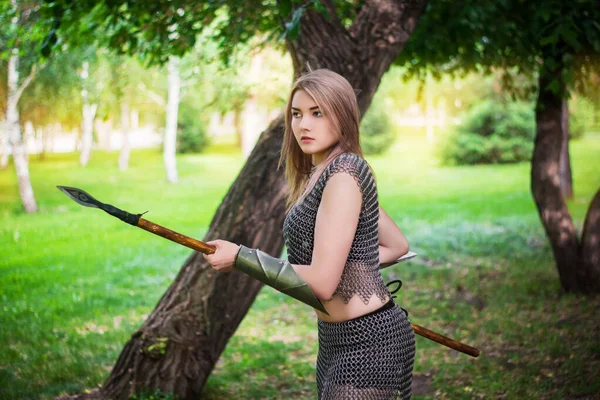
87,200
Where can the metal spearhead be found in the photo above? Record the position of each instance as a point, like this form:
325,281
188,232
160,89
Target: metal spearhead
86,199
80,196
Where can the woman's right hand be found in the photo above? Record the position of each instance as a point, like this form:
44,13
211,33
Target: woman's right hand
223,258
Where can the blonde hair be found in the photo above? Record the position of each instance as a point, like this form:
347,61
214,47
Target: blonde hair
337,101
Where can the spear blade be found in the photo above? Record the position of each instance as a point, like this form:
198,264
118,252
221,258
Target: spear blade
80,196
87,200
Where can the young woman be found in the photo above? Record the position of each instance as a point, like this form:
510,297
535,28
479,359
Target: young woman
337,236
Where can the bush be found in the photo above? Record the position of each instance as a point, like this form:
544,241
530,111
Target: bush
376,131
581,116
191,131
492,133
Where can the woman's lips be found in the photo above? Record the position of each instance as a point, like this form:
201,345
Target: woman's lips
306,139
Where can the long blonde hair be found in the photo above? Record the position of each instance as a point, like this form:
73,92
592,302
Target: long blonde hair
337,101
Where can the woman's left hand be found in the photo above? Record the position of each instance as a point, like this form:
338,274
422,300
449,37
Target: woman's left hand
223,258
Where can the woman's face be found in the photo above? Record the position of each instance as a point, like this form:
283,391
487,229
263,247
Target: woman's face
314,132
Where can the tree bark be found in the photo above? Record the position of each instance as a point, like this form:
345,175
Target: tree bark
590,247
171,125
576,275
13,129
566,176
201,309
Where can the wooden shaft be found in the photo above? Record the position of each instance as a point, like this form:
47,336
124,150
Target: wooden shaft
446,341
176,237
208,249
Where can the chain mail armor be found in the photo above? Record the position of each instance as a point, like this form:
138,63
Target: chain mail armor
366,358
370,357
361,275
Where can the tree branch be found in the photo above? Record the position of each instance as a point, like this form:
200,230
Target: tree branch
386,23
28,80
157,98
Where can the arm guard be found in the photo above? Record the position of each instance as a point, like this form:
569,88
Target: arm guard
276,273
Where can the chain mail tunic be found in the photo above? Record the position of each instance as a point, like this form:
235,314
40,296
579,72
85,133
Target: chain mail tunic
361,274
372,356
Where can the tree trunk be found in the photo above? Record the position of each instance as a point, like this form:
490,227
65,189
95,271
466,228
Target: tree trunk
13,129
87,125
201,309
125,127
576,275
566,177
590,247
250,121
171,126
41,135
237,124
87,129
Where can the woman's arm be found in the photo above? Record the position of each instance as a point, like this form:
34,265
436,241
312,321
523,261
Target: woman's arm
392,243
335,226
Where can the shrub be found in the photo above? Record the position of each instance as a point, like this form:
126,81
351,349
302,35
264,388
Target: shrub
376,130
492,133
191,131
581,116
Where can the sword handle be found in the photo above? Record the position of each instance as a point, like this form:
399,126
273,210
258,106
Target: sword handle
176,237
446,341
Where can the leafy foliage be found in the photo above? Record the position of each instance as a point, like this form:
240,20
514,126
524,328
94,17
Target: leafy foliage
582,116
376,130
191,135
492,133
518,37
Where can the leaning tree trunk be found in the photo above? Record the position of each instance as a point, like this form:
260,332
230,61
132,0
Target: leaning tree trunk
576,275
566,176
200,311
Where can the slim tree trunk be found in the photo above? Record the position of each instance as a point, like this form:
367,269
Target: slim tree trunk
237,124
87,130
576,275
172,111
201,309
87,124
566,177
125,149
13,128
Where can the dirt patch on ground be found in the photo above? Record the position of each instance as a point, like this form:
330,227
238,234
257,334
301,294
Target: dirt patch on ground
421,385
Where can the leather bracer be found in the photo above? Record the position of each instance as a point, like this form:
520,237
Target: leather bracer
276,273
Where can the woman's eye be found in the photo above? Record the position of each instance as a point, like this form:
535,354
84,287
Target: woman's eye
295,114
317,114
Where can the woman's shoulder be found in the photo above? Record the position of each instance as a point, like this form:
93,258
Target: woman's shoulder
352,164
348,160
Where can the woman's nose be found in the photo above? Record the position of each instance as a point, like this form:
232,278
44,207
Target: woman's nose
305,124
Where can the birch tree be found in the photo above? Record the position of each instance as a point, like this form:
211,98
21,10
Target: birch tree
19,18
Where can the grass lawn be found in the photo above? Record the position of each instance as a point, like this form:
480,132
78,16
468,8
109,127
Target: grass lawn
75,283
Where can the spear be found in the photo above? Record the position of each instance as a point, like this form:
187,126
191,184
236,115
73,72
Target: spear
87,200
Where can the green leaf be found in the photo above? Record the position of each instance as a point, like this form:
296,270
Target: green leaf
285,7
293,27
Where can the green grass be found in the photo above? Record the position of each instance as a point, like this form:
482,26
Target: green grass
75,283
